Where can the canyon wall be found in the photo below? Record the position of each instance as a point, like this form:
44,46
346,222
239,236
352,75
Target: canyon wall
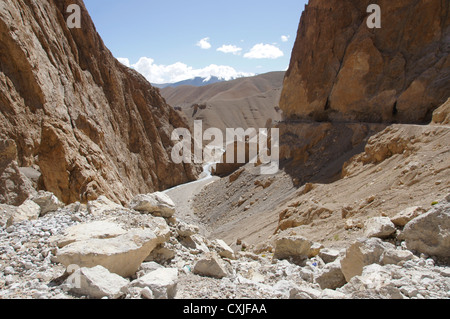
341,70
87,124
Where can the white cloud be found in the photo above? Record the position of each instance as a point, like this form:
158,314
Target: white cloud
124,61
230,49
204,44
285,38
264,51
158,73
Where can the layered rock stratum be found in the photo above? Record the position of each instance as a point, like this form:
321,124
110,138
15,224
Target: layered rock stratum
85,123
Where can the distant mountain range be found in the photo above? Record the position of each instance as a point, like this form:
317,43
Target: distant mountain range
243,102
197,82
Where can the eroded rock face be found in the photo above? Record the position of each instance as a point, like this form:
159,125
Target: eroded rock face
92,125
342,70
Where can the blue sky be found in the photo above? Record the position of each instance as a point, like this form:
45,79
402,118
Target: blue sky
170,41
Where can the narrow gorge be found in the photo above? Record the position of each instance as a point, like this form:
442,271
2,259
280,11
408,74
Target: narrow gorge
92,205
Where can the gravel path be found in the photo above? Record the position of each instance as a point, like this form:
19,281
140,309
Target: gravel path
183,196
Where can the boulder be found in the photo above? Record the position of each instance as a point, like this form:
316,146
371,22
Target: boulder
395,256
102,205
406,215
331,276
86,231
48,202
376,281
304,293
121,255
195,242
210,266
97,283
329,255
296,248
159,204
362,253
430,232
380,227
186,230
159,226
29,210
162,282
223,249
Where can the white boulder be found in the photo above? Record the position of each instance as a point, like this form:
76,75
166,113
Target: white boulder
29,210
406,215
158,204
48,202
430,232
86,231
296,248
162,282
102,205
97,283
121,255
362,253
380,227
331,276
223,249
211,266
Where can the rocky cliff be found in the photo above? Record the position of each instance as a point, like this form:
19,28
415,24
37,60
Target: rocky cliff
343,158
341,70
86,123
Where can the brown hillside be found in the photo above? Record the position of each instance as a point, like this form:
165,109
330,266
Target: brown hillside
246,102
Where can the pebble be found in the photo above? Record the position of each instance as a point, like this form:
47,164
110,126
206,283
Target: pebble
9,270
